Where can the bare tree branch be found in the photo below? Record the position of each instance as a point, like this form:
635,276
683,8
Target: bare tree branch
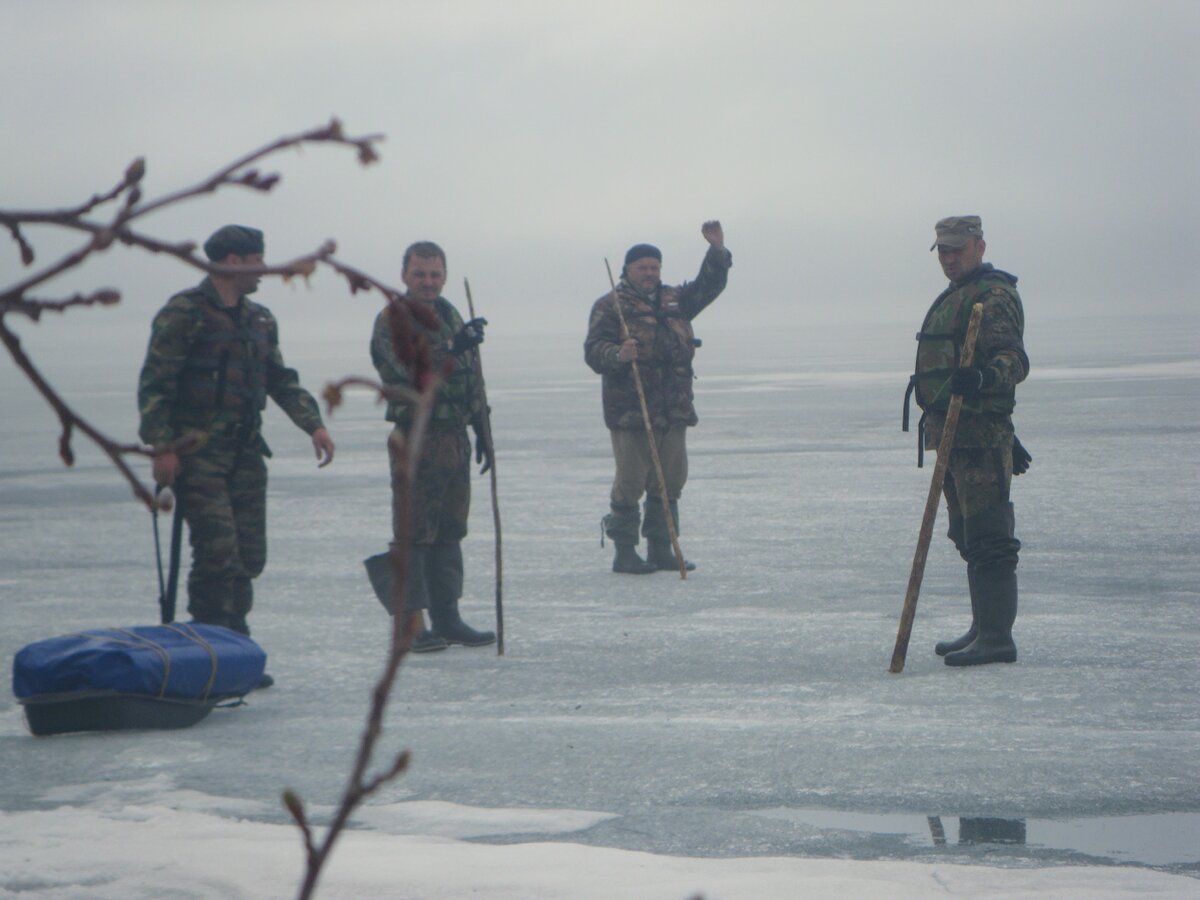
408,339
15,299
403,627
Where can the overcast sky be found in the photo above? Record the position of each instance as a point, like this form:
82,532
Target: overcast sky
534,139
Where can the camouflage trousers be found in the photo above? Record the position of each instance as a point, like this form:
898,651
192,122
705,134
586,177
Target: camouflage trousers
982,520
222,494
440,502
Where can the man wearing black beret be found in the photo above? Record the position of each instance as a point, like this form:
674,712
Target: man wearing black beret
212,362
660,337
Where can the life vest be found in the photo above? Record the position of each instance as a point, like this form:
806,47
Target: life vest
939,350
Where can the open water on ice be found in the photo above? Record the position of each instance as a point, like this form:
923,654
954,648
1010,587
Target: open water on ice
746,711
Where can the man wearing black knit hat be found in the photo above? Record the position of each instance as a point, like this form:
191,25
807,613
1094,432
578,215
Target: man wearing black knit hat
660,337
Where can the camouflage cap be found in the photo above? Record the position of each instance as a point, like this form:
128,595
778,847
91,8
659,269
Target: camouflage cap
955,231
240,240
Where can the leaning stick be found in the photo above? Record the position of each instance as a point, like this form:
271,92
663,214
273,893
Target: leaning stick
931,504
487,434
658,470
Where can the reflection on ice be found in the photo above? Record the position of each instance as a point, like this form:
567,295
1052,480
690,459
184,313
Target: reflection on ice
1159,839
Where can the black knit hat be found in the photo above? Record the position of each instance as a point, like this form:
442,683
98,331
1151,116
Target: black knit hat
638,251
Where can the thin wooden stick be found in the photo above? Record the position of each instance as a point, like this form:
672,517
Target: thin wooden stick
909,612
658,470
487,433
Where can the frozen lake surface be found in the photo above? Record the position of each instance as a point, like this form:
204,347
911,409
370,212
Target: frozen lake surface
745,712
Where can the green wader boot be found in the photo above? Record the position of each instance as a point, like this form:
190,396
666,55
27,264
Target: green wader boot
996,591
621,526
941,648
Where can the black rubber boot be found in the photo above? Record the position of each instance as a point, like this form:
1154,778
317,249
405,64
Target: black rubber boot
996,592
941,648
660,553
427,642
662,556
621,525
449,626
444,576
627,561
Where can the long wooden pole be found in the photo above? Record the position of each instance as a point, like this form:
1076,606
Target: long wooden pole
909,612
658,470
487,433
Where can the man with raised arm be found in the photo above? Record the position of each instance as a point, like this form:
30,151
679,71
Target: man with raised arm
660,337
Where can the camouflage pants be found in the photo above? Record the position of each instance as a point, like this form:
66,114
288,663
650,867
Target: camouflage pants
981,517
439,508
441,495
222,494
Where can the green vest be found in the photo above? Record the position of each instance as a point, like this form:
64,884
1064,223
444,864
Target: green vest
940,344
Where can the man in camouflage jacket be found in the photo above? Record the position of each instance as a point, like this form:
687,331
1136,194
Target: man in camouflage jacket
212,362
441,495
659,335
981,464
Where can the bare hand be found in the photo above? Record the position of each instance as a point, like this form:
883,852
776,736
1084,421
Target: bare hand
165,468
628,351
713,233
323,445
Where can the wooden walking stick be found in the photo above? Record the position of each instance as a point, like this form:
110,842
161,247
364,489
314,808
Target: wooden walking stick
909,611
487,433
658,470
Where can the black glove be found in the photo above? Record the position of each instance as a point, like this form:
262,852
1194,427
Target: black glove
468,337
483,447
970,382
1021,457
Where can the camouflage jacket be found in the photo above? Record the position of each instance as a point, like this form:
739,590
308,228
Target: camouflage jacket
459,396
662,326
210,369
985,421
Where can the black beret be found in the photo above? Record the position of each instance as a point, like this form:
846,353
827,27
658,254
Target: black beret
240,240
637,251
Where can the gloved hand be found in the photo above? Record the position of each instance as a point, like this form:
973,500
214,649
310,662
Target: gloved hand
483,447
1021,457
970,382
468,337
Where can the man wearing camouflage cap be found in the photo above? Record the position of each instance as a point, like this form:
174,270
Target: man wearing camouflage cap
212,361
986,454
660,337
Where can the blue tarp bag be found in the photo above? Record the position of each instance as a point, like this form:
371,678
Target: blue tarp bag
152,676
